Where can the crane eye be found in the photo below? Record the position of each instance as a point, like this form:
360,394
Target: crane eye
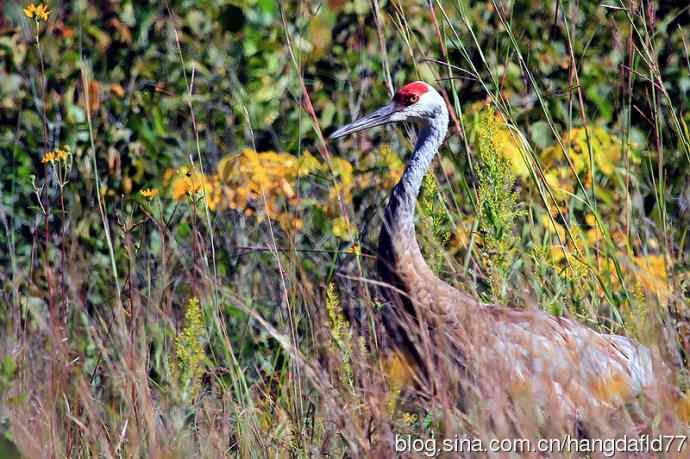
406,99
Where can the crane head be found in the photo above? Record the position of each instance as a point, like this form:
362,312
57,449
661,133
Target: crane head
415,101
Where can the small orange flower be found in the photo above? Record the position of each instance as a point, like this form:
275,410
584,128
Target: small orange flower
49,157
42,12
149,193
189,181
29,11
355,249
61,154
37,12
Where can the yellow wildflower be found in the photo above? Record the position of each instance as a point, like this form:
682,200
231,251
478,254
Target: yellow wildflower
560,181
49,157
341,335
286,220
651,274
37,12
180,188
342,228
508,145
30,10
606,150
503,140
214,196
557,252
355,249
343,169
593,235
409,418
61,154
460,238
307,164
188,182
42,12
149,192
168,175
191,359
553,227
393,165
400,372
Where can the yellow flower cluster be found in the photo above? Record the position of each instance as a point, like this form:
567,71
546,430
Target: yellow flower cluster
262,180
409,418
264,184
649,276
189,182
605,154
645,273
503,141
586,150
509,146
61,154
149,193
37,12
341,335
189,350
249,181
342,228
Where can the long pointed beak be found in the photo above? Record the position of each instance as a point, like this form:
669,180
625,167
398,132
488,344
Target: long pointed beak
377,118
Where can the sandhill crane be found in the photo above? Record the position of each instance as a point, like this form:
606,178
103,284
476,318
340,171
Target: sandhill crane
580,366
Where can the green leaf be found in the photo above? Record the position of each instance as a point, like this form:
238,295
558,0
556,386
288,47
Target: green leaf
541,135
8,367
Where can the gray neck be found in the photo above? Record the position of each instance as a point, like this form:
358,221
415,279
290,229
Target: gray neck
399,213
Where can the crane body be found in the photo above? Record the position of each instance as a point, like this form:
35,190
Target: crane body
581,368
